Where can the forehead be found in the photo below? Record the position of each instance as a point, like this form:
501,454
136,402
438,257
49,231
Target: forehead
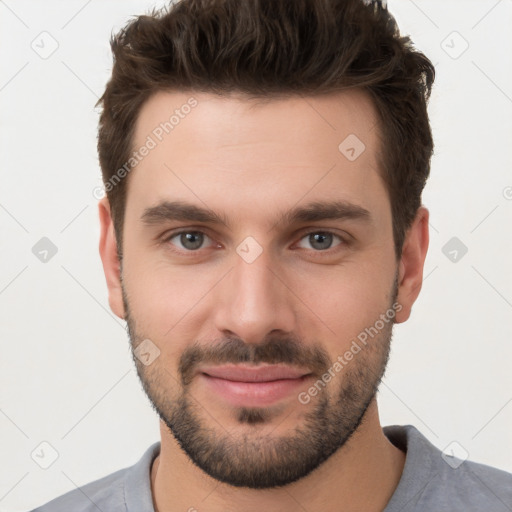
240,119
243,152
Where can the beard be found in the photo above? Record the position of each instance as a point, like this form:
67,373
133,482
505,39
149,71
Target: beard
250,458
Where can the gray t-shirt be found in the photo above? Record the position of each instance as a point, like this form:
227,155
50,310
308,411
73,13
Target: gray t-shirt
430,482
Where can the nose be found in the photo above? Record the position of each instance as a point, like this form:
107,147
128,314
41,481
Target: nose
255,299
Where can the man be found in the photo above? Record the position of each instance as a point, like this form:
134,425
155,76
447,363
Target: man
262,232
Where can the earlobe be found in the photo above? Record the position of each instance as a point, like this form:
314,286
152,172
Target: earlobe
410,272
110,259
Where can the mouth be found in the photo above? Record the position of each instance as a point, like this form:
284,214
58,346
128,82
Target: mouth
244,385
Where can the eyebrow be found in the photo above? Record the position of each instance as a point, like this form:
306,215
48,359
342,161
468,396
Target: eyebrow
312,212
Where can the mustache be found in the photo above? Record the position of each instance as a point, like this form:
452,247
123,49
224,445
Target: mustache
272,351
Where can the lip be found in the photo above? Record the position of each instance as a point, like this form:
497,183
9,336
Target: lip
261,385
260,373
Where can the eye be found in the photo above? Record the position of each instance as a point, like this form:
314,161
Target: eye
321,240
193,240
190,240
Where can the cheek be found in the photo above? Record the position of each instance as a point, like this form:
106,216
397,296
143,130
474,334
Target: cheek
166,300
344,302
160,288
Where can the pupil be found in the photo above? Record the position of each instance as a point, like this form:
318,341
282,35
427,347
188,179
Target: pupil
321,237
187,239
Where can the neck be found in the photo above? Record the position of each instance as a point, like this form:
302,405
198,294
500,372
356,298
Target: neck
362,475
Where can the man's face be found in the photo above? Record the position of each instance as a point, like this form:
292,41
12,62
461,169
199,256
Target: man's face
250,311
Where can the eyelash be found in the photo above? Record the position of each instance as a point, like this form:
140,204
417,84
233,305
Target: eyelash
343,241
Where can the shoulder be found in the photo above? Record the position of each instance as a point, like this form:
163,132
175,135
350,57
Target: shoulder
468,487
475,486
485,484
436,480
105,494
111,493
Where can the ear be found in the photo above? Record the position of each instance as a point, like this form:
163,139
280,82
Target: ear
410,272
110,260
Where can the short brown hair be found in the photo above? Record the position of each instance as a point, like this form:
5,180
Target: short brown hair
266,48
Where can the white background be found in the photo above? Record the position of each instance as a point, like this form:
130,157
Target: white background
66,375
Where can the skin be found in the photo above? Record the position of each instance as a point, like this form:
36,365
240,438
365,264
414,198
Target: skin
252,161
